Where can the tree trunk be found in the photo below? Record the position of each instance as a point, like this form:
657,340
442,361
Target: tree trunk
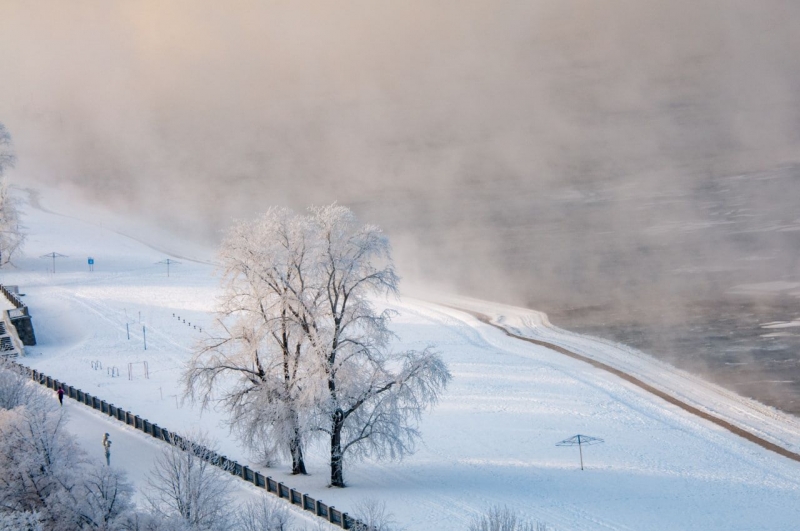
296,449
337,471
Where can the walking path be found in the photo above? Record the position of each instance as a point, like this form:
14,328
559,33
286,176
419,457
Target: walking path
135,453
649,388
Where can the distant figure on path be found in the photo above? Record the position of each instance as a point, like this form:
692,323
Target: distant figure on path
107,446
60,393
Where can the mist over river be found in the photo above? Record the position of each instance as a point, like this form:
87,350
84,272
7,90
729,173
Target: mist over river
707,279
630,167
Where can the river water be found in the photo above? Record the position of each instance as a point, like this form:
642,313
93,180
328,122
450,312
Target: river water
747,342
701,271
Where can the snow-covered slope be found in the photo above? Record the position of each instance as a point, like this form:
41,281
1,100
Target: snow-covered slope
766,422
490,441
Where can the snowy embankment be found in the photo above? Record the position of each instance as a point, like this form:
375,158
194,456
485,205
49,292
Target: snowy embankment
763,421
490,441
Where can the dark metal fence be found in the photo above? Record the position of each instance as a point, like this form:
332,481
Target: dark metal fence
295,497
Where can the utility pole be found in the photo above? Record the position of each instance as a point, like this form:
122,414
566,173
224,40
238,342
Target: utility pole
168,262
54,255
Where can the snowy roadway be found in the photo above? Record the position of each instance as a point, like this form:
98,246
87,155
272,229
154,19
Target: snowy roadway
490,441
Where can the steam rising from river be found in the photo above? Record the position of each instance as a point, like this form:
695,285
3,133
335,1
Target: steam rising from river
631,155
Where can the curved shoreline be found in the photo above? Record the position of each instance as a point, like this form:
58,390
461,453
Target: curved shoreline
639,383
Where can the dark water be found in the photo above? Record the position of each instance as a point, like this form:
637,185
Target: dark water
723,340
686,268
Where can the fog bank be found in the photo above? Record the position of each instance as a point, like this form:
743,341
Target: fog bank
551,153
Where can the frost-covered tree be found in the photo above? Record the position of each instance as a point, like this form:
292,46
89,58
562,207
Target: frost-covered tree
303,351
265,513
43,472
370,398
36,473
255,362
11,237
186,491
21,521
102,499
7,157
15,388
504,519
373,516
46,481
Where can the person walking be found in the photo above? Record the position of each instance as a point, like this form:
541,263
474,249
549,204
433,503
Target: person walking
60,394
107,447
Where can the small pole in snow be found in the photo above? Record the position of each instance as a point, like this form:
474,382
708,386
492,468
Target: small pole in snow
144,337
161,393
128,330
168,262
54,255
579,441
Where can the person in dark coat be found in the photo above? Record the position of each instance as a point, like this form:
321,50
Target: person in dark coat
60,393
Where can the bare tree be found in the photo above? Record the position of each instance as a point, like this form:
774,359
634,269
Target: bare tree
11,236
503,519
7,157
186,490
46,481
302,351
33,457
40,466
259,344
373,516
103,499
15,388
370,398
143,521
21,521
266,513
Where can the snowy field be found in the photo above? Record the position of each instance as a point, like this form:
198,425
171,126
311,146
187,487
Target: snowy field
490,441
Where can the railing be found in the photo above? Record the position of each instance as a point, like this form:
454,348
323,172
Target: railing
295,497
19,318
13,299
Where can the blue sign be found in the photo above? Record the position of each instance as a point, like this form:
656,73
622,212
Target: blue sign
91,261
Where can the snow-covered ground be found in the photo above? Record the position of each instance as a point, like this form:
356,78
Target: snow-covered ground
490,441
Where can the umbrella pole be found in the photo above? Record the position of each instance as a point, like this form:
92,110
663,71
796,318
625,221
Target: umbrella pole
580,450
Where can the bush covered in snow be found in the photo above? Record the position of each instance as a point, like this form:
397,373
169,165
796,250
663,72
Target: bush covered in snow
504,519
46,481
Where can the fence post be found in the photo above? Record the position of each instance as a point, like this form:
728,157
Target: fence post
308,503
